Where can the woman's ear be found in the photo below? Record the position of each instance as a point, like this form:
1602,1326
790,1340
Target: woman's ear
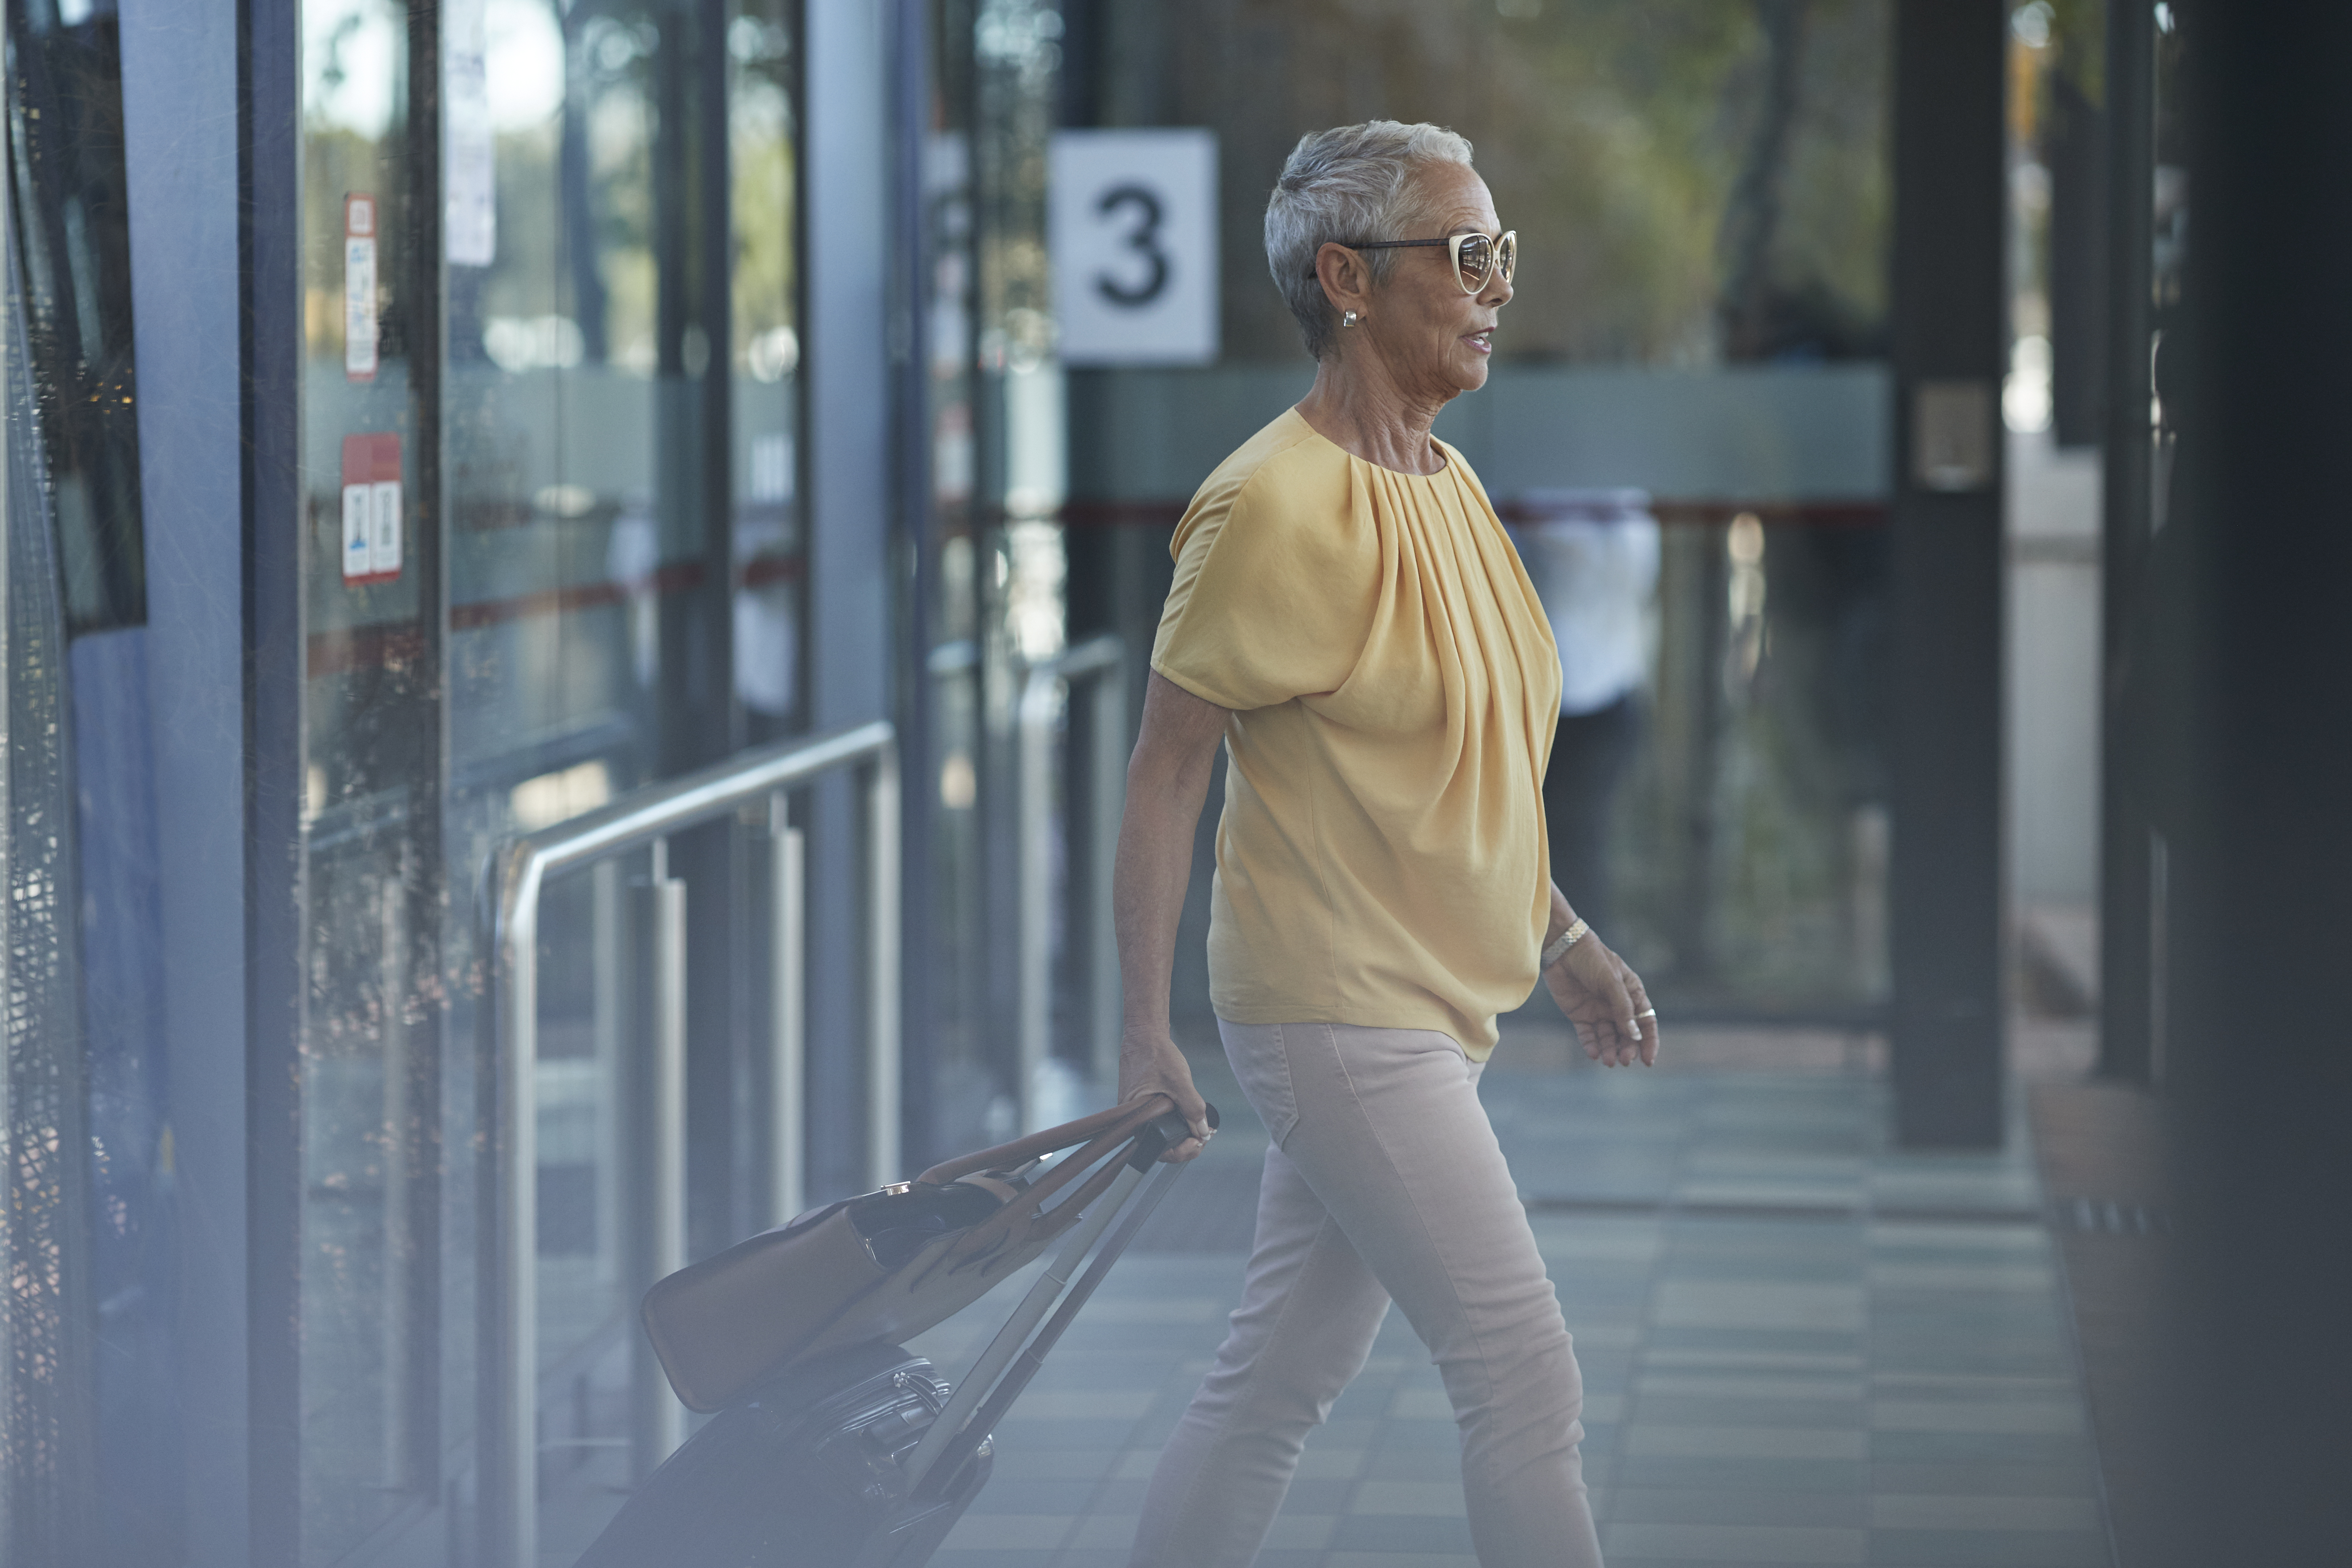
1345,281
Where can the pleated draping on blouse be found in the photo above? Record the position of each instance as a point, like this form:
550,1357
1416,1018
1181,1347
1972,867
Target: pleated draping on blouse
1381,860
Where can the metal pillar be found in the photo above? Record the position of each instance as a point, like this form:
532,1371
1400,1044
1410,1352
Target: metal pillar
2253,556
1945,744
2125,938
848,483
182,79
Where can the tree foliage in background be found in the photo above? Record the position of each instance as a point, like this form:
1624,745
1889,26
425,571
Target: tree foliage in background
1658,157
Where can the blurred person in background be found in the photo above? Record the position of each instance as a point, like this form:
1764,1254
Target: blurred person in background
1593,558
1350,621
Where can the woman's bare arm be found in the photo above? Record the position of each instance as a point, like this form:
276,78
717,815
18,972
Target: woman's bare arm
1167,781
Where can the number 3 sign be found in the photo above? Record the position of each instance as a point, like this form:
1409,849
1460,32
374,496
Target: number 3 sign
1133,225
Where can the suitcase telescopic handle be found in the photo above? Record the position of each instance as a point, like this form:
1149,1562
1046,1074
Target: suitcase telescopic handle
1119,1120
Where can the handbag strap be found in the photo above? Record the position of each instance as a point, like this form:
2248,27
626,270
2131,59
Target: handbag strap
1017,1226
1122,1121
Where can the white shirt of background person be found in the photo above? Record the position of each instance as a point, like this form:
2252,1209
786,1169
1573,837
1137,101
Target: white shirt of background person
1592,555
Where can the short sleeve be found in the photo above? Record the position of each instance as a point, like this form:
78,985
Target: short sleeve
1274,596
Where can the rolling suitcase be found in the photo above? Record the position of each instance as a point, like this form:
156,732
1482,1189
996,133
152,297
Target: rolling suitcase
861,1455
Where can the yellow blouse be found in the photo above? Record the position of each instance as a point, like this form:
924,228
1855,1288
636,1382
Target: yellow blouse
1380,860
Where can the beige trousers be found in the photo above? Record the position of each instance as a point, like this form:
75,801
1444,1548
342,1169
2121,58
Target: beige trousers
1383,1181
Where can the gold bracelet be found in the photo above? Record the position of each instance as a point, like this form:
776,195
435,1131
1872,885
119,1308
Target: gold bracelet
1562,943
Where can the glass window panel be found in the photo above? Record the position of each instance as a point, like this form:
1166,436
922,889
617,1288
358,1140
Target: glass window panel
369,1039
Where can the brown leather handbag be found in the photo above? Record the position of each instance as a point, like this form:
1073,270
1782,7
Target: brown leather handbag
887,1265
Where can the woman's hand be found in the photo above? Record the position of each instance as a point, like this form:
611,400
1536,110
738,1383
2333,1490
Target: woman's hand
1604,999
1154,1065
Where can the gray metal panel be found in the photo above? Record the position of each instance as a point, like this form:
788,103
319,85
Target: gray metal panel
181,130
1733,433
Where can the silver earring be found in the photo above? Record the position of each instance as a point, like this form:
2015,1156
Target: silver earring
1348,318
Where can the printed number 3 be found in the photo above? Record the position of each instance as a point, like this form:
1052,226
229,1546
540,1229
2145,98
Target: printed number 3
1144,238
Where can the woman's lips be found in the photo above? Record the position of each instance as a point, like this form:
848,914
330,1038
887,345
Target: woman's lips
1481,340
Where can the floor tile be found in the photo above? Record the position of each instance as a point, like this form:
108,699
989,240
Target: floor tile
1732,1543
1743,1442
1055,1464
1758,1304
1697,1410
1947,1510
1709,1473
1702,1385
1732,1505
1989,1549
1105,1532
1440,1500
1009,1532
1401,1532
2000,1477
2035,1415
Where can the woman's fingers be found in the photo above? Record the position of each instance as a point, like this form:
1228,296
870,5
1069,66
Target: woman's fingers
1604,979
1645,1014
1158,1067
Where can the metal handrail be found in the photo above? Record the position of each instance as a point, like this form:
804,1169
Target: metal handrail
1102,659
517,875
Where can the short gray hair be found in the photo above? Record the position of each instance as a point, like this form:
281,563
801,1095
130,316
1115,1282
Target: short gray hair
1351,182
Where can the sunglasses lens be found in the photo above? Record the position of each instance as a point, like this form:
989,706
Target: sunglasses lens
1506,255
1477,257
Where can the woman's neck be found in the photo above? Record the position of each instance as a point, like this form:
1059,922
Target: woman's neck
1362,409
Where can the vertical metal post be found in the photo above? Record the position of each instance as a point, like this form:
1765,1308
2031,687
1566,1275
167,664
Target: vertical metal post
510,1470
2126,622
400,1372
1108,805
882,969
605,925
1944,745
1040,706
788,890
664,1425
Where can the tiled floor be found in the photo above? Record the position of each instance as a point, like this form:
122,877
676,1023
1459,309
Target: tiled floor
1799,1347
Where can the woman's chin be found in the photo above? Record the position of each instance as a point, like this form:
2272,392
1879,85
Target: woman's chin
1470,373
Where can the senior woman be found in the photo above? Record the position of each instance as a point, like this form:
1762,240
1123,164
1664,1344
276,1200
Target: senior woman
1349,619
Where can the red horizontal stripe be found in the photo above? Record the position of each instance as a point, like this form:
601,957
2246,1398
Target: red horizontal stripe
674,578
1671,511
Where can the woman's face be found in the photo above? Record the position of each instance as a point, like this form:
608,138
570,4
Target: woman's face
1435,337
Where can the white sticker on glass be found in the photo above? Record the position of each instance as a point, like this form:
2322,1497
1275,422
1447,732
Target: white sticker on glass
383,548
359,287
359,532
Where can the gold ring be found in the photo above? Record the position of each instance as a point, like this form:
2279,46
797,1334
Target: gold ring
1647,1013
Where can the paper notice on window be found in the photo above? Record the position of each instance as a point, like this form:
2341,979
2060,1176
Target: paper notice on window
359,287
469,146
371,507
